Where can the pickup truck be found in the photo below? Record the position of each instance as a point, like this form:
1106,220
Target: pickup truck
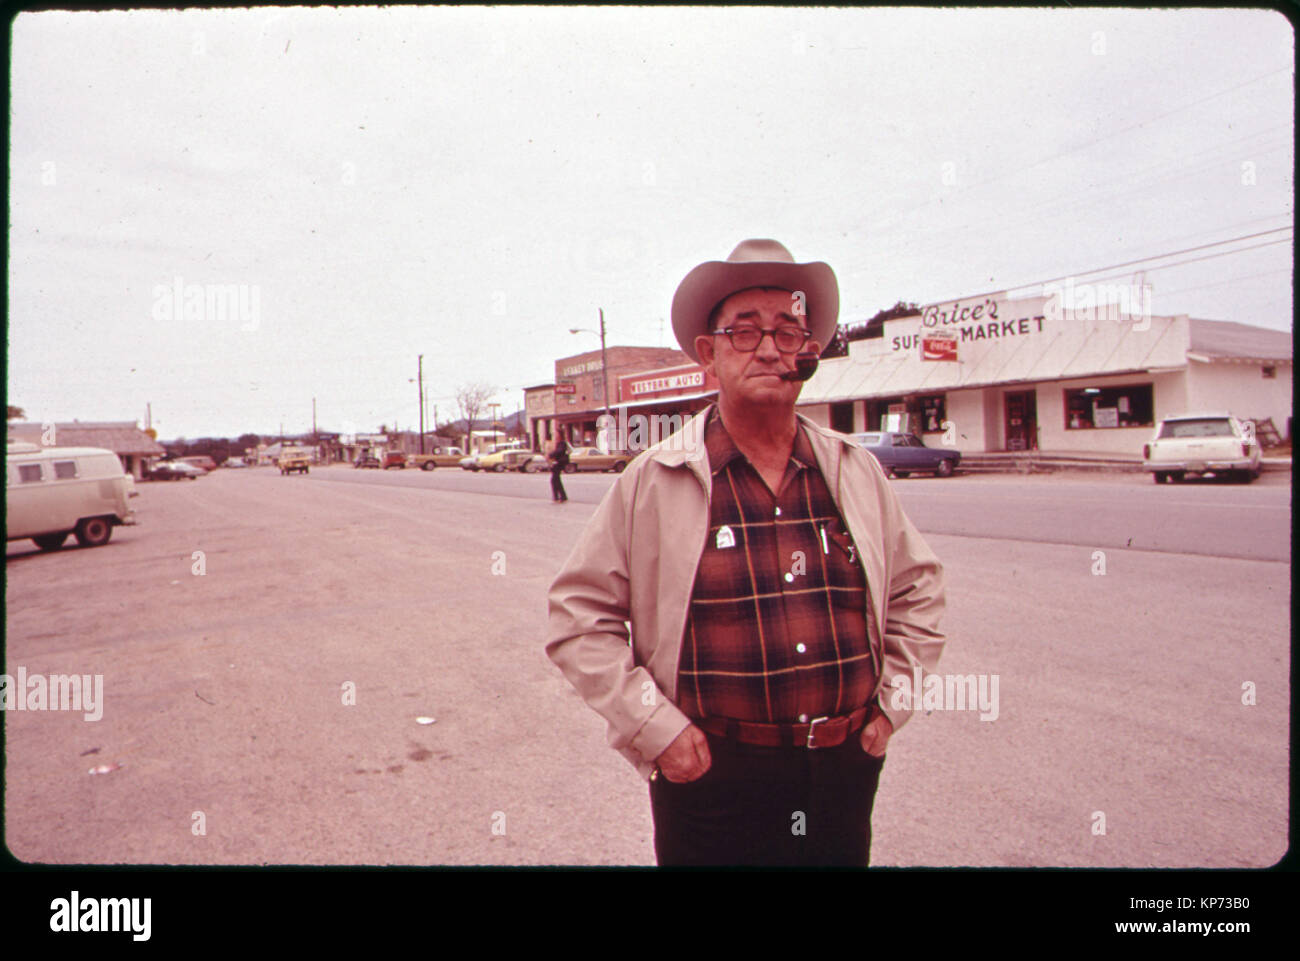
295,459
441,457
903,454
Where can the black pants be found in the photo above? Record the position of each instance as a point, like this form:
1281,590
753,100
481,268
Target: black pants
557,486
771,806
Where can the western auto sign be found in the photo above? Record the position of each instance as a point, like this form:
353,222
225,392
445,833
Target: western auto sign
566,388
657,384
938,347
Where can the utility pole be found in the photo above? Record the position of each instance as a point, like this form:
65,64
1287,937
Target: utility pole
420,378
313,418
604,361
604,367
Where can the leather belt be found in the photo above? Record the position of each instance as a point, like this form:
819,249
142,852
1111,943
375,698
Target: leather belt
817,733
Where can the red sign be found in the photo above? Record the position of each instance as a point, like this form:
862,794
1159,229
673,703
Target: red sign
653,385
938,348
566,388
663,381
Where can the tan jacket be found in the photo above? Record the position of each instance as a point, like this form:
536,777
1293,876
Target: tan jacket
636,563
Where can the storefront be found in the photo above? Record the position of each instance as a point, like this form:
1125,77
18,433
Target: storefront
654,404
579,391
539,411
995,374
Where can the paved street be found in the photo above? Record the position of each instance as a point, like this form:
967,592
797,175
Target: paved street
225,692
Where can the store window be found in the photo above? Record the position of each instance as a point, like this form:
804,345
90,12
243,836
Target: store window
842,417
1089,408
933,413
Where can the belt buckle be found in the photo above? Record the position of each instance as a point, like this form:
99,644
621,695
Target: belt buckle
812,727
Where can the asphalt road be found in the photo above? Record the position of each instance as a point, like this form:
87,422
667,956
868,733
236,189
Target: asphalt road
264,710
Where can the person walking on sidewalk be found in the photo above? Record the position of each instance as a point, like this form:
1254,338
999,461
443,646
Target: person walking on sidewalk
559,461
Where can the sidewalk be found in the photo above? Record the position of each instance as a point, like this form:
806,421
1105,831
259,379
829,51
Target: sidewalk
1043,461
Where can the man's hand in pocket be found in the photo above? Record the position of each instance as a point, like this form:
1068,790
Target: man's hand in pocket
876,733
687,758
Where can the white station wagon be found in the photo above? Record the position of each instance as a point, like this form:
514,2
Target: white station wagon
51,492
1207,443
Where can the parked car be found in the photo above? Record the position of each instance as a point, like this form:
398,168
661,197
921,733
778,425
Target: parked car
175,470
395,458
526,461
202,461
234,462
592,458
1213,442
904,454
470,462
495,459
366,460
51,492
441,457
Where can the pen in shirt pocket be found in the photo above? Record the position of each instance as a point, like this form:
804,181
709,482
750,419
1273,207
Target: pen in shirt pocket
842,540
825,547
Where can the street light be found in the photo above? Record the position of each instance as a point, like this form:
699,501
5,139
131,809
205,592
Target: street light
420,380
604,367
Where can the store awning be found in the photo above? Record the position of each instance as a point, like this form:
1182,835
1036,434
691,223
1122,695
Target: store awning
653,401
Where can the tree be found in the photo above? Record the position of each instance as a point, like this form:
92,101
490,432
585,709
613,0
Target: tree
875,326
471,399
16,413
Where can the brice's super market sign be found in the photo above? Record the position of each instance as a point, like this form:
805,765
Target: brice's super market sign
988,318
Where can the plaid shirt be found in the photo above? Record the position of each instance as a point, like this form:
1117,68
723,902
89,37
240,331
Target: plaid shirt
777,630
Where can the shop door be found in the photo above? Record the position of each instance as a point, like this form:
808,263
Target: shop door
1022,420
842,417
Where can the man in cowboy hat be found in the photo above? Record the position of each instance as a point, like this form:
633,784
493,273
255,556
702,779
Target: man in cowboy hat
774,588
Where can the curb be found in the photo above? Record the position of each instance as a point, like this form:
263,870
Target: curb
1111,467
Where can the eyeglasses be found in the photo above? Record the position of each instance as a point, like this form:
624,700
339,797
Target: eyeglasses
788,339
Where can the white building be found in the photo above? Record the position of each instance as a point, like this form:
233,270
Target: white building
1027,374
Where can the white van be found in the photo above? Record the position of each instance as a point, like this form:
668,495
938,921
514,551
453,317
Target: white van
51,492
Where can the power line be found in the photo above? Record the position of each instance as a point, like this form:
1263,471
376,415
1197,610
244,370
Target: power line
1230,280
1177,263
1086,146
1093,196
1140,260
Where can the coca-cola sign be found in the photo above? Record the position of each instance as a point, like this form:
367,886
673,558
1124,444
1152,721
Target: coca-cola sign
939,348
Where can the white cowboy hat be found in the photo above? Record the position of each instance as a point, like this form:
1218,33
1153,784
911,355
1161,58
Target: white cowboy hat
755,263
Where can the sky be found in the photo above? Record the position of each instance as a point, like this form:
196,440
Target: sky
225,214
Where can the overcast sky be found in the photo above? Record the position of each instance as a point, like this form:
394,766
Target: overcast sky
470,183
